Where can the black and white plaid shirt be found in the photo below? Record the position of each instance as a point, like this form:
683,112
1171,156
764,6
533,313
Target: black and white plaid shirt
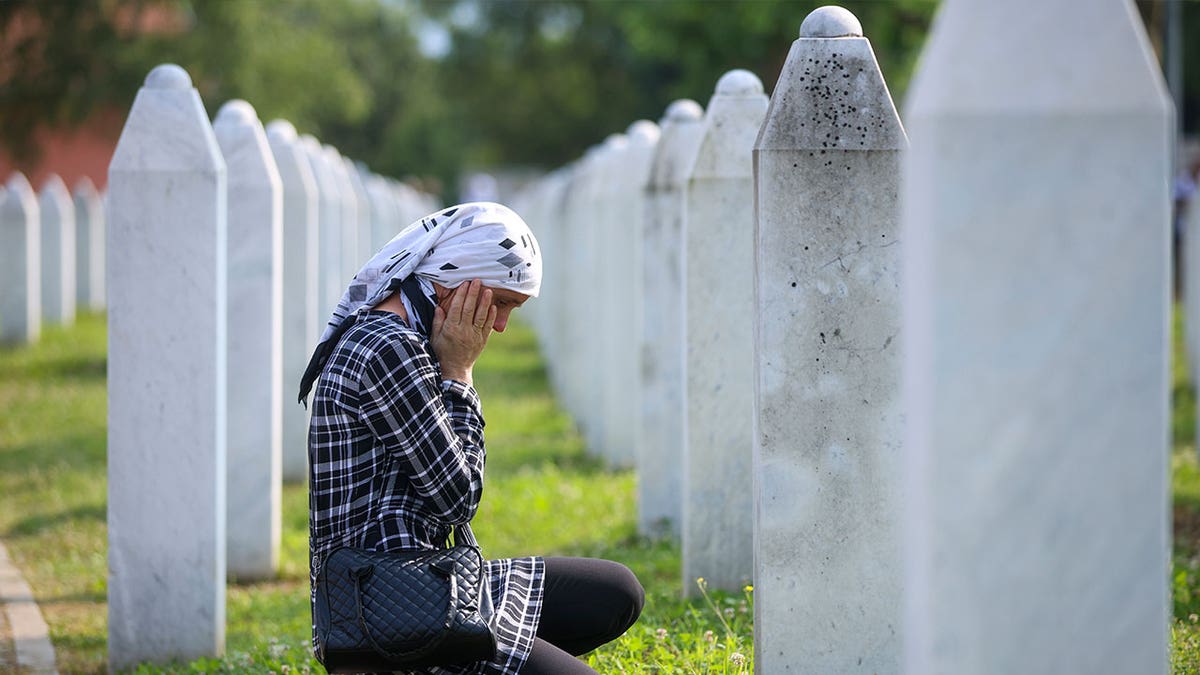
396,458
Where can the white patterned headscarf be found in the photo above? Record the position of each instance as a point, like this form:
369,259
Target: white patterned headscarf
477,240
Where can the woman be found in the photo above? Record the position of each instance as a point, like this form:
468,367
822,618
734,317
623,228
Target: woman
396,449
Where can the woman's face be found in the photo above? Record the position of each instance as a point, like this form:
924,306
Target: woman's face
505,301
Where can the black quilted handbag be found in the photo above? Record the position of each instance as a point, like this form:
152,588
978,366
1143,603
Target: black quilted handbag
402,610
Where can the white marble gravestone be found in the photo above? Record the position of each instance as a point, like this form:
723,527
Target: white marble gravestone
718,514
20,263
1036,306
255,364
329,227
828,414
630,173
660,450
89,246
166,380
301,323
350,209
58,252
365,214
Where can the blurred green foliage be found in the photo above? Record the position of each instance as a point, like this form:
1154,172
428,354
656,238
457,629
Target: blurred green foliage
512,83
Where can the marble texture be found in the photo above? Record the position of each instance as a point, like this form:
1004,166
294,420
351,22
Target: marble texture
718,265
58,252
20,263
300,321
631,171
1036,234
828,418
350,209
255,344
166,271
609,328
329,227
660,448
366,206
89,246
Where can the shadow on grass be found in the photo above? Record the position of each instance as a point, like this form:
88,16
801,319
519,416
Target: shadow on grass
79,451
35,524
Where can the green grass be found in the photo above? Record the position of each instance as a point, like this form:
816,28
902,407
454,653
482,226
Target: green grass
543,495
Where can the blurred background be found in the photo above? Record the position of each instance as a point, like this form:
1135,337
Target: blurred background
434,91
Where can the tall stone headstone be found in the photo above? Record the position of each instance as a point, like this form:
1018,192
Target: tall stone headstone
301,323
166,380
89,246
58,252
828,415
362,198
628,175
255,364
20,263
350,206
329,228
1036,220
660,450
718,510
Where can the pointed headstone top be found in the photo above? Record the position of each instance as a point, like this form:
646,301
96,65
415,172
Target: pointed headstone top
17,182
281,130
684,110
739,83
168,76
237,112
643,133
54,185
85,186
830,21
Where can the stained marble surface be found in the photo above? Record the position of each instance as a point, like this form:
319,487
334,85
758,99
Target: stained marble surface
829,419
717,525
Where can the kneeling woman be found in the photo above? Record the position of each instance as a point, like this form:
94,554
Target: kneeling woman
396,448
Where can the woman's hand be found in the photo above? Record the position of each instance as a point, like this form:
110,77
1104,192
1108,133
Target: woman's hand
460,331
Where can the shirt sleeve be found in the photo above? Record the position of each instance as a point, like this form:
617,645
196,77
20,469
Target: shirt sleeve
433,428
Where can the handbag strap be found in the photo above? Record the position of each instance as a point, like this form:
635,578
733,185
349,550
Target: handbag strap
462,536
400,655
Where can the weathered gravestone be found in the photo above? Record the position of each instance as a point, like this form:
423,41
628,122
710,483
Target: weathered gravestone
20,263
89,246
828,416
58,252
348,200
628,175
166,380
329,227
718,513
255,290
611,334
660,449
301,324
1035,213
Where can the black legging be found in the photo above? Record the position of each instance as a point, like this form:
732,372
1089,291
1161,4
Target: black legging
587,603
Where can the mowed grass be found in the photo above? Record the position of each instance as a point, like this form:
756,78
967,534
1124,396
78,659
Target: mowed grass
543,495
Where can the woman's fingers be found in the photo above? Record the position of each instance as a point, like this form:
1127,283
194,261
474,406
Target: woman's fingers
439,318
456,306
482,309
469,302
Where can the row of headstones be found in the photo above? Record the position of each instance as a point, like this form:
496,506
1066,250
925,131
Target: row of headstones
917,395
228,247
51,255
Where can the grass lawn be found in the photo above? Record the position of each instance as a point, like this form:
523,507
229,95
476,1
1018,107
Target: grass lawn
543,495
